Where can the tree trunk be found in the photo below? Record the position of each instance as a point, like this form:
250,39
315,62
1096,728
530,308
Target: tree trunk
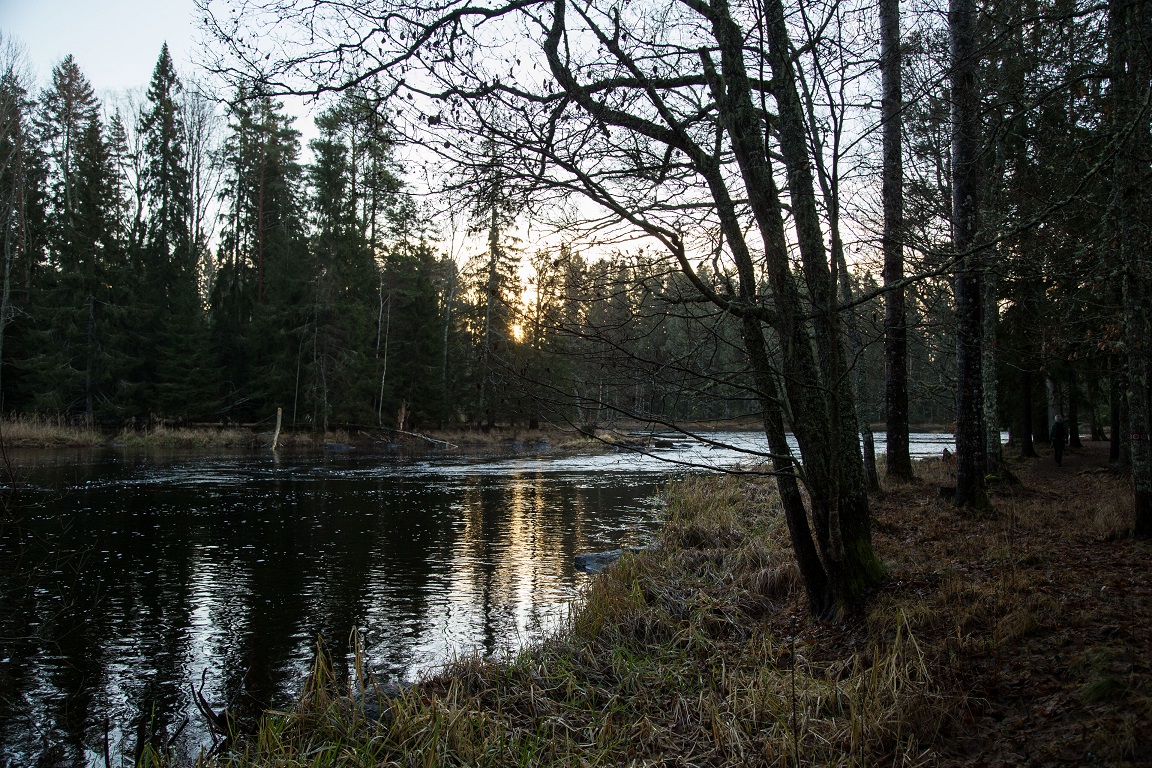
812,572
89,362
1095,423
1130,29
1115,403
1024,431
849,557
992,446
260,229
971,462
1073,411
815,379
899,461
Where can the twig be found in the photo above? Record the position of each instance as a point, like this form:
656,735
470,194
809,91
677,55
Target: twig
217,723
425,437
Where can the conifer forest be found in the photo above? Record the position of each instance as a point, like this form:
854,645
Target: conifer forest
820,218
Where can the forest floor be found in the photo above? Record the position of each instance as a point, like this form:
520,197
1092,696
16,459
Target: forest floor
1050,603
1020,636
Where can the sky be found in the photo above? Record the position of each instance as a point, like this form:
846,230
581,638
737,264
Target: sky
115,42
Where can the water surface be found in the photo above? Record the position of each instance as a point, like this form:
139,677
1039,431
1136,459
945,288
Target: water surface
129,578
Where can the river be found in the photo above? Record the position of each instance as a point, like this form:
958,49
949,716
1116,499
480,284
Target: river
128,578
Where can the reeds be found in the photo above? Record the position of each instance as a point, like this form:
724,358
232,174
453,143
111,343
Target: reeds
47,432
188,438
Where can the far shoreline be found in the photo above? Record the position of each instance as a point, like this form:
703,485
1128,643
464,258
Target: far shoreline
46,433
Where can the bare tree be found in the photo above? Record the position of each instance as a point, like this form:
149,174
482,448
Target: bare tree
649,118
202,127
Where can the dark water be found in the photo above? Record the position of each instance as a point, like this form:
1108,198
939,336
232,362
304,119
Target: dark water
126,579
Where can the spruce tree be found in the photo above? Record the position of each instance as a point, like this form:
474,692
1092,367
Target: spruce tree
22,225
77,361
178,364
259,295
344,274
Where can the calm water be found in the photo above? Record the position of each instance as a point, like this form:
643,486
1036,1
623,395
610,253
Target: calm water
129,578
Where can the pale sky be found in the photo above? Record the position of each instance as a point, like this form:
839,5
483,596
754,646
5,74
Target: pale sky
115,42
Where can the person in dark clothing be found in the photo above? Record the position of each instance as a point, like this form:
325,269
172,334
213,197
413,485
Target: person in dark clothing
1059,438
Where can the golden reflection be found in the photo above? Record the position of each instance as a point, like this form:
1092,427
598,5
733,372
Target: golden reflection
510,560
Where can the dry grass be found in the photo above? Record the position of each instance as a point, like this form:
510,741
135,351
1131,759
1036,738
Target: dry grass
46,432
197,437
31,431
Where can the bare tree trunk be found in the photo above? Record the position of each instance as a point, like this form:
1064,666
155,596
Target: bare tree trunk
1052,391
828,175
812,571
387,321
89,353
451,297
971,460
1130,29
490,298
899,461
992,446
1115,406
260,232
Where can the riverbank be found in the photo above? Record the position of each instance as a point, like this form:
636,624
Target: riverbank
1019,639
33,432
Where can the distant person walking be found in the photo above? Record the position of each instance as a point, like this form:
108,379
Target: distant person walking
1059,438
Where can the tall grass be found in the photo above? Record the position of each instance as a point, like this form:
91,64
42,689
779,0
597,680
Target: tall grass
45,431
199,437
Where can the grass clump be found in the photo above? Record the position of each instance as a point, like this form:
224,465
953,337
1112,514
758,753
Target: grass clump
48,432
